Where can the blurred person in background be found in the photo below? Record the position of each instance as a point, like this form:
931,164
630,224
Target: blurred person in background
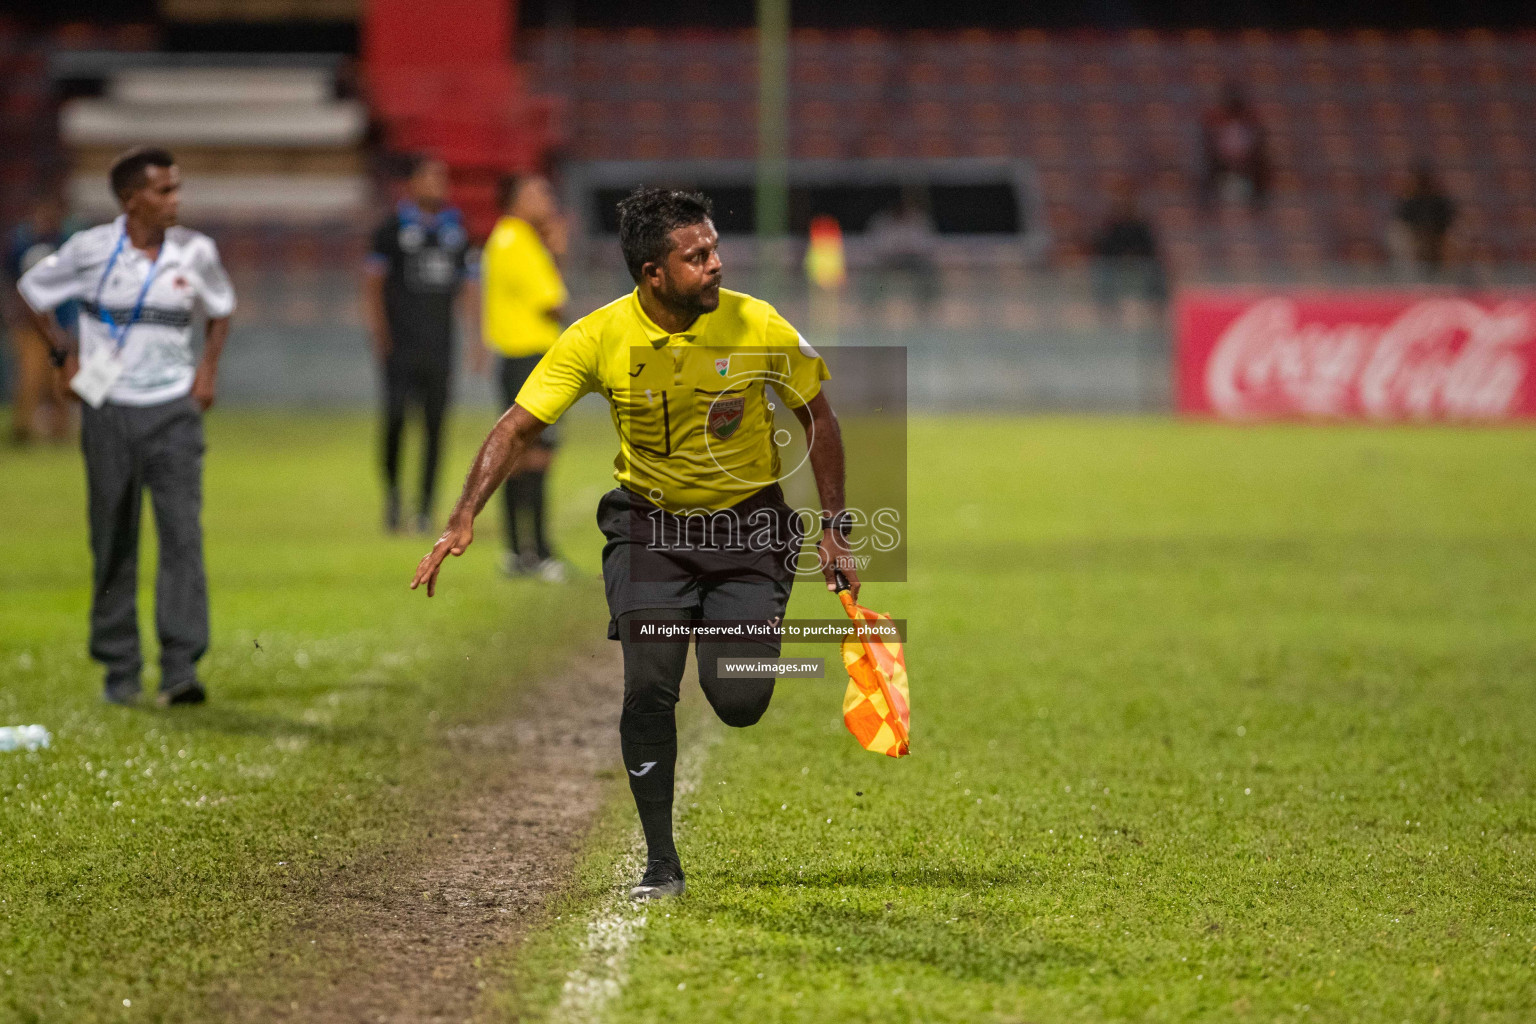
903,242
38,390
416,267
1425,215
139,281
1235,153
520,309
1126,261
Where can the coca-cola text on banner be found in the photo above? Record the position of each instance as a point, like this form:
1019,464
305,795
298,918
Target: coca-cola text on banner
1380,355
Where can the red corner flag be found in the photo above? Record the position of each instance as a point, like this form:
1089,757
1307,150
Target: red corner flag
876,705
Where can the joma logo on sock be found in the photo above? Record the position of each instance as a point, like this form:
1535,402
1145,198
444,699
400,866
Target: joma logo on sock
647,766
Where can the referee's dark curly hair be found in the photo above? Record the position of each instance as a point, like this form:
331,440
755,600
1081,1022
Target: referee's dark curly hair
647,218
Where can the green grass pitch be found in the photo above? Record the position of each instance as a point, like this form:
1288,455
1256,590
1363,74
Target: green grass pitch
165,858
1209,723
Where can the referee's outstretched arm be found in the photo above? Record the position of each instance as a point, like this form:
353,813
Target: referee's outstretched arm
505,444
824,439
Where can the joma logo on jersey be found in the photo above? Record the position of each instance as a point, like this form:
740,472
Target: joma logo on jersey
725,415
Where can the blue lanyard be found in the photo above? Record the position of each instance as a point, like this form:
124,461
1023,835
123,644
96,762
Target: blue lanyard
120,333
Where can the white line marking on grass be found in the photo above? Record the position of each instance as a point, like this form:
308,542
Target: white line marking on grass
618,921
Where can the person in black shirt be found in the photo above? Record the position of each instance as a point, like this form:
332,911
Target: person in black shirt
415,270
1126,263
1427,214
1235,150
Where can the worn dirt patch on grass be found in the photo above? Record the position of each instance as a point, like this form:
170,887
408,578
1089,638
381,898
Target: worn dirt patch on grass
400,936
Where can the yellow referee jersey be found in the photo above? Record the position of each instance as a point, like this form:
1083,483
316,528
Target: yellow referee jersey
692,410
522,288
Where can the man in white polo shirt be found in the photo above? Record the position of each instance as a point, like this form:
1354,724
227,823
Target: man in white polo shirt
139,282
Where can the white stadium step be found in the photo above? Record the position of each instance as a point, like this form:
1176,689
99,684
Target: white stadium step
284,198
92,122
312,86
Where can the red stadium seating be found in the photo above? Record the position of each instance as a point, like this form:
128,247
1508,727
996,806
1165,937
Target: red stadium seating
1347,116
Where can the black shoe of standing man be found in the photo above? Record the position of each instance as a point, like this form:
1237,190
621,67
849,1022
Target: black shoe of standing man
122,690
189,692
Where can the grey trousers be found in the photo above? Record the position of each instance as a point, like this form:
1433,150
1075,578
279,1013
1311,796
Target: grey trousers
129,448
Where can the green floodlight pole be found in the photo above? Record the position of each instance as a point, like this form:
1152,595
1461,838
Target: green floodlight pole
772,207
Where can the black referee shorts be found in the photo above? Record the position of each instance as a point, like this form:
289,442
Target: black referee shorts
737,563
512,372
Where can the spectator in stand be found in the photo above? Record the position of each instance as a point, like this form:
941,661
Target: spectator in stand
38,387
1425,216
903,241
1235,152
1126,261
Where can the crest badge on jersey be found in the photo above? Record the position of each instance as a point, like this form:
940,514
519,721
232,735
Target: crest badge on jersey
723,366
725,416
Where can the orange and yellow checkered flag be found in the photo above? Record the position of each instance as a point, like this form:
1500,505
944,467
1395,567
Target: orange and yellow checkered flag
876,706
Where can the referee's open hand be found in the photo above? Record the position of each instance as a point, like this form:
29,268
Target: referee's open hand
459,535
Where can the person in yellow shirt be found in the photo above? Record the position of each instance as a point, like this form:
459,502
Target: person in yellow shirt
520,321
698,528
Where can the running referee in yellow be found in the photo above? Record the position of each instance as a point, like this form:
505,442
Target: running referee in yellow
698,528
520,321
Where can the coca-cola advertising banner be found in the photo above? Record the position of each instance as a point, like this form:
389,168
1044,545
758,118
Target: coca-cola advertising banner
1380,355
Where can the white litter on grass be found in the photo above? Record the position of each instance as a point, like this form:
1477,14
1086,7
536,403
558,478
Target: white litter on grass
616,924
24,737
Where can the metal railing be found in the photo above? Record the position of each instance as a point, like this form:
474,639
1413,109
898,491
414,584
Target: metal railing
1000,337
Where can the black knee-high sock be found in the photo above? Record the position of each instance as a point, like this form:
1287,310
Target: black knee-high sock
394,427
649,742
533,495
515,503
436,409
